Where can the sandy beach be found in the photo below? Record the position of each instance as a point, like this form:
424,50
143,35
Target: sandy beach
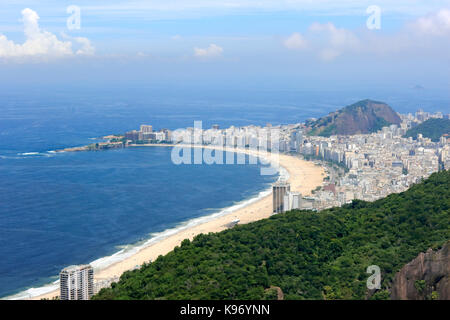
304,176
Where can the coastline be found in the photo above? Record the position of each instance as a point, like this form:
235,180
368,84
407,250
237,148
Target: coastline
304,176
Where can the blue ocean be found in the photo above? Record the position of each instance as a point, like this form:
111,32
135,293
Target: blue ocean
58,209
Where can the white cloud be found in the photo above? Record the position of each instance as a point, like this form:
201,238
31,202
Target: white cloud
326,39
429,33
329,54
86,46
296,41
436,24
337,37
212,51
337,40
40,42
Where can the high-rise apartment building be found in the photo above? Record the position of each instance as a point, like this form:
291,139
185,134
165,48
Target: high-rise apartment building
279,190
76,283
146,128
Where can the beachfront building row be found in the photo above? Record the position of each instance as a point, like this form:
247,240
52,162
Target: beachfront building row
77,283
282,138
372,165
256,137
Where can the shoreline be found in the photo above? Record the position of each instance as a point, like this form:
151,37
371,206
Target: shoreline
304,176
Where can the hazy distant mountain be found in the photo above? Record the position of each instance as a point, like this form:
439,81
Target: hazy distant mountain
365,116
432,128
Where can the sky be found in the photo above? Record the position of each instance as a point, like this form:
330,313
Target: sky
285,43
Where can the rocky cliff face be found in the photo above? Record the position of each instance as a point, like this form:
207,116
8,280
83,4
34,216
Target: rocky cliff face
425,277
364,116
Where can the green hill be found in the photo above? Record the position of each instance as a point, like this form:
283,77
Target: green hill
432,128
364,116
308,255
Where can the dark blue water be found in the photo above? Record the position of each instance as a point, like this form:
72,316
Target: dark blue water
73,208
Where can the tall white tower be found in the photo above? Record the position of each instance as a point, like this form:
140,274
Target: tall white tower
76,283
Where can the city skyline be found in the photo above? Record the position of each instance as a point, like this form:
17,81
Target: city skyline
377,164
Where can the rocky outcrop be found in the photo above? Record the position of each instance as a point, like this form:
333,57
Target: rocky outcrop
425,277
364,116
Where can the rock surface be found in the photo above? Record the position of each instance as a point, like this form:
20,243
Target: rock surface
425,277
362,117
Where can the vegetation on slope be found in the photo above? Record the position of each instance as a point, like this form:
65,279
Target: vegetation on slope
309,255
432,128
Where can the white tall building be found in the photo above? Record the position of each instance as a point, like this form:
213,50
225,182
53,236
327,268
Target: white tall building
291,201
77,283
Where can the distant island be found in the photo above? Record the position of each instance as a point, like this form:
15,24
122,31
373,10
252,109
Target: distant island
433,128
365,116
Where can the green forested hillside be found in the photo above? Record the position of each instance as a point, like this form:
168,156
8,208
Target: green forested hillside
432,128
308,255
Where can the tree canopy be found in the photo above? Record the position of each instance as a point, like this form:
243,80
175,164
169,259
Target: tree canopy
432,128
309,255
